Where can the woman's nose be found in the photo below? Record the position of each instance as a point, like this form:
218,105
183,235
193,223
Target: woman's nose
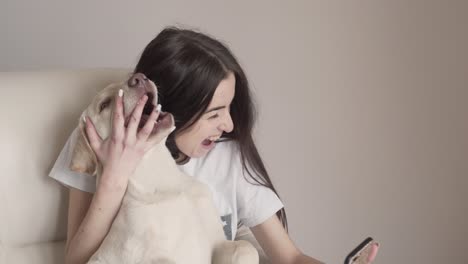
227,125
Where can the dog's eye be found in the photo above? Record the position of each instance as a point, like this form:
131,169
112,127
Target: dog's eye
104,104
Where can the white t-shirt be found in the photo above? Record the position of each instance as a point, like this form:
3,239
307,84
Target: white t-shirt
236,199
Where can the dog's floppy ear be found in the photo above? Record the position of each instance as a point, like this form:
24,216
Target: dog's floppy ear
83,159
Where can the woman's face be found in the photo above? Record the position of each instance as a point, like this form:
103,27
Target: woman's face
199,138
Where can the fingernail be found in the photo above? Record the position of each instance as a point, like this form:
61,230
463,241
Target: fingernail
120,93
172,129
158,108
84,119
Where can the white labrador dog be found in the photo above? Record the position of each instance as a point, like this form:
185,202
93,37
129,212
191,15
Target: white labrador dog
165,216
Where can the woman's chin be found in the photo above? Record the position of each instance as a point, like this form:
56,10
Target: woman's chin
202,150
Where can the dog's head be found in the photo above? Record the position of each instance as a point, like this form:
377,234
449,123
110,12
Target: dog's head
101,110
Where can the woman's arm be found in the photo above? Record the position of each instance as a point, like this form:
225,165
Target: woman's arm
89,219
277,245
280,249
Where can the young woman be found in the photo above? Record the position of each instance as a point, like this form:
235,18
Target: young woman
200,82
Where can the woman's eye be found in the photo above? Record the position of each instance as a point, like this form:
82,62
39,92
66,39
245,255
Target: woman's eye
213,116
104,105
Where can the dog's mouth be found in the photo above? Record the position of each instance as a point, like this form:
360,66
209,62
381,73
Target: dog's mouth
163,119
149,107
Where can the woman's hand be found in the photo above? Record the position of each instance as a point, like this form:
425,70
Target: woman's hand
121,152
373,252
278,246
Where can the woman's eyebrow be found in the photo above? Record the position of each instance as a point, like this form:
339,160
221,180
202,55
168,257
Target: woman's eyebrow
214,109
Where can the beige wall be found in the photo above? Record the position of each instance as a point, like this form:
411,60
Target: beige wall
363,114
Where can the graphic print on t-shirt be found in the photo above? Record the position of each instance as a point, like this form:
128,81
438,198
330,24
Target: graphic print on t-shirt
227,220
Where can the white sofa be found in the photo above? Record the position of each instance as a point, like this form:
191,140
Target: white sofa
38,112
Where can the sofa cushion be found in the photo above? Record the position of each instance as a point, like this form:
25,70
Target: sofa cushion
38,253
39,110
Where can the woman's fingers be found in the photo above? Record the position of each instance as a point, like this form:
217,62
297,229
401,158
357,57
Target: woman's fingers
93,137
146,130
373,252
118,130
135,117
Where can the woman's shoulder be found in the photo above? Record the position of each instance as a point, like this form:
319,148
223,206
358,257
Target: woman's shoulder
62,173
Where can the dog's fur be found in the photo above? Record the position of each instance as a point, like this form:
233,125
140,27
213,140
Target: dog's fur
165,216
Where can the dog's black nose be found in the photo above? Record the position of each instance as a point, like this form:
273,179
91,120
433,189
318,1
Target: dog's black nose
136,80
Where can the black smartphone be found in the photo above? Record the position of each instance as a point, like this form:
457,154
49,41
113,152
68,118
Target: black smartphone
360,253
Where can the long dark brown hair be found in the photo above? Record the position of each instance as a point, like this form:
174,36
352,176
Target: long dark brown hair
187,67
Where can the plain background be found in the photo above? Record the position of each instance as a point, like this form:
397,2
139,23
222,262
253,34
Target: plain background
362,104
